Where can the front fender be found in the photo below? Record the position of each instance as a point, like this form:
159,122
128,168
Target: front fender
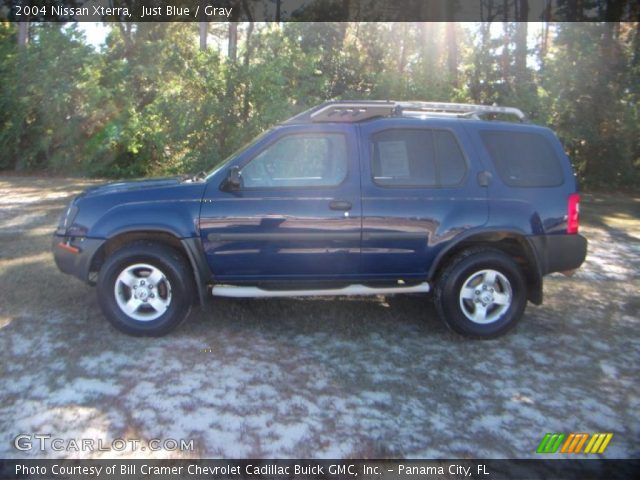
177,218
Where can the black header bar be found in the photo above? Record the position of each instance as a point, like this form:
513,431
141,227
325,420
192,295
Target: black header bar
319,10
569,469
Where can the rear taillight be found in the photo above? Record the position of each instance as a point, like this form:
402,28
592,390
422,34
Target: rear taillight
573,213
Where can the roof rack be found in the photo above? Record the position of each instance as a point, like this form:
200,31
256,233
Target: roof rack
357,111
351,111
466,109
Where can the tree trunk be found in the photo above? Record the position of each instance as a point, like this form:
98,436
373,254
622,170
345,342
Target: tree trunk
505,59
544,44
247,60
636,45
487,12
521,43
430,11
249,45
575,11
426,36
125,31
346,8
479,67
523,11
546,16
232,50
452,53
610,52
23,34
204,27
402,54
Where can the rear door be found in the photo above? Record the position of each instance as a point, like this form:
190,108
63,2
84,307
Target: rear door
297,214
420,190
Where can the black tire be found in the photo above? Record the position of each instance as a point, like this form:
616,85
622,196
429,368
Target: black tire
471,269
174,290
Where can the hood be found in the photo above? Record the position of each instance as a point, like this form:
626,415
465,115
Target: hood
134,185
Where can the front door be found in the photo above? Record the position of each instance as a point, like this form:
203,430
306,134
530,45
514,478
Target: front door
297,213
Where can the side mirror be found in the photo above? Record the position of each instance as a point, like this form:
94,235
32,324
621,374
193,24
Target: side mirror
234,178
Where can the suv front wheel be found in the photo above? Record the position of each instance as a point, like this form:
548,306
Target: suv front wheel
481,293
145,288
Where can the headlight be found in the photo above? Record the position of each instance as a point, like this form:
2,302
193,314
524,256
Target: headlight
67,218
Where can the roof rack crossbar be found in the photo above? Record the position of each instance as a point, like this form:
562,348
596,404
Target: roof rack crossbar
459,108
356,111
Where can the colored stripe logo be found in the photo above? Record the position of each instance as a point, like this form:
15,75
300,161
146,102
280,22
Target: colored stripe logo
574,442
550,443
598,443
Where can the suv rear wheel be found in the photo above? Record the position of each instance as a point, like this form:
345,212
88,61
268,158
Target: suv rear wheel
145,289
481,293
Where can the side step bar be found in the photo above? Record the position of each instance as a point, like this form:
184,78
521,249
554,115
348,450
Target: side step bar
255,292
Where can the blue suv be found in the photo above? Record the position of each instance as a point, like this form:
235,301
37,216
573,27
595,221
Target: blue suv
348,198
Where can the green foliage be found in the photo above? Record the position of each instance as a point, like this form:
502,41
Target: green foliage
588,98
42,124
149,102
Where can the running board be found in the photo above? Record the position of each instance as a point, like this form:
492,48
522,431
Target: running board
255,292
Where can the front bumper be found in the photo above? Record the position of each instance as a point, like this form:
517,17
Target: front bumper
73,255
559,253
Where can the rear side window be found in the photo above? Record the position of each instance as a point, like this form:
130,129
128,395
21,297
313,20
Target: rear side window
416,158
523,159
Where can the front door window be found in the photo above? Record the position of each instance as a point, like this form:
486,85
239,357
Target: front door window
300,160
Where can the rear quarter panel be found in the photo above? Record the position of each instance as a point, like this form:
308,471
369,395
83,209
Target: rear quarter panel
529,210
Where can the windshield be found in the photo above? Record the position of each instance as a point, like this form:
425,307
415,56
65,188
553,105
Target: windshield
222,164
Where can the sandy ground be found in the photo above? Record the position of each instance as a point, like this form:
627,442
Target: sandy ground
347,377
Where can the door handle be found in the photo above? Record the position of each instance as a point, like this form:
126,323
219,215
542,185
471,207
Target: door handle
484,178
340,205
